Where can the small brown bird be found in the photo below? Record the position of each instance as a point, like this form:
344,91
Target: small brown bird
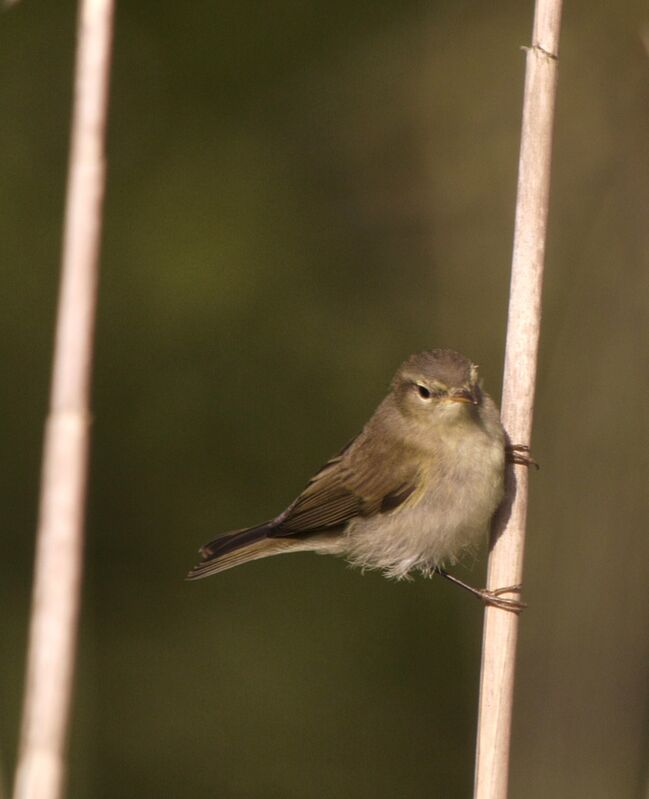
412,492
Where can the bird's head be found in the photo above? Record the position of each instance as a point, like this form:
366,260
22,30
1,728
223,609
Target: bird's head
437,385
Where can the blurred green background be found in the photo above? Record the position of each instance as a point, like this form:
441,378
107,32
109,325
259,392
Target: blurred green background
299,196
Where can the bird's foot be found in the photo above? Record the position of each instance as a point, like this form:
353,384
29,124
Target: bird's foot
489,596
494,597
520,453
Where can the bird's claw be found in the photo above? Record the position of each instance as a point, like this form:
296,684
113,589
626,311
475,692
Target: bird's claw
489,596
494,597
519,453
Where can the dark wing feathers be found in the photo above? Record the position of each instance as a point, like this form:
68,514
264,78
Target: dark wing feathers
230,541
396,498
316,510
344,488
350,485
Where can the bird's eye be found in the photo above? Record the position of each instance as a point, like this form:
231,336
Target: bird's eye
424,393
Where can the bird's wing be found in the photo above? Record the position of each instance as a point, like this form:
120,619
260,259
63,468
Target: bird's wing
348,486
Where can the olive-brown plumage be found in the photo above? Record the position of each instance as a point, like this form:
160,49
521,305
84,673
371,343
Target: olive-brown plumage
416,488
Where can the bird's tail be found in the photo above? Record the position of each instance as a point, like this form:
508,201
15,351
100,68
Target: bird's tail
237,547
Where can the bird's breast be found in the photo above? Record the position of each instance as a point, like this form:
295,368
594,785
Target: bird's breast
461,486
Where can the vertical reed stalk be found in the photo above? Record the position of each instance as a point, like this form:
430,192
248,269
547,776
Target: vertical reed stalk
523,328
57,580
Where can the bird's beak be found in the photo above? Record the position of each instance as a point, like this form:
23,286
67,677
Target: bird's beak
467,395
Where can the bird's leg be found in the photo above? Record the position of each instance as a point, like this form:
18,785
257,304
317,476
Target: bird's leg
520,453
488,597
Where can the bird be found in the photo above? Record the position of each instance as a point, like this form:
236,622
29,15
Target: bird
413,492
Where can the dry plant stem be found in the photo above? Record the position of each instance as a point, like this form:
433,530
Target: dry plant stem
57,580
523,327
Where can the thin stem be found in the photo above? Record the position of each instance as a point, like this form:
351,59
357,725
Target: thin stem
57,581
523,328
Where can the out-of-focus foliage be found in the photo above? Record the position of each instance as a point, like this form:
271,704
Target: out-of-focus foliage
300,195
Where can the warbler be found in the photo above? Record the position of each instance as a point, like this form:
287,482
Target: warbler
412,492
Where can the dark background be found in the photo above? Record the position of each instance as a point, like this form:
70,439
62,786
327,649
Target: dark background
299,196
